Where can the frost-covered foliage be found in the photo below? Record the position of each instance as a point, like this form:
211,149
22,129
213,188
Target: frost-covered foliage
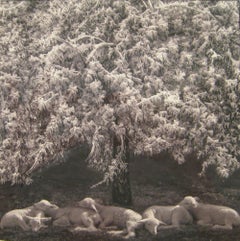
164,76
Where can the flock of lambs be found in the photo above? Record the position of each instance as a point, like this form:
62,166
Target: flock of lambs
89,215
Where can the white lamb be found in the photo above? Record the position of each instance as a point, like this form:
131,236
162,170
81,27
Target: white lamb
215,216
38,221
81,218
30,218
122,218
169,216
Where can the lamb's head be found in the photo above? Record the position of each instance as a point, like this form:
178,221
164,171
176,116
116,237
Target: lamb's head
88,203
189,202
37,223
96,219
45,205
152,224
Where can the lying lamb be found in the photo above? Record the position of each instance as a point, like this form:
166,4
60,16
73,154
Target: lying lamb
217,217
30,218
123,218
81,218
169,216
37,222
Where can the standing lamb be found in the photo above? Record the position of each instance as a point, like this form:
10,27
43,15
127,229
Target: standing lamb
169,216
30,218
215,216
123,218
81,218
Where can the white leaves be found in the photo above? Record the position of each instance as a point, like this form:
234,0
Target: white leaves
170,97
231,82
54,56
165,77
211,120
186,58
53,126
2,171
172,47
180,75
96,48
76,132
107,115
73,91
15,178
28,181
151,34
44,151
224,168
178,156
43,104
95,86
7,143
162,55
163,25
213,55
12,9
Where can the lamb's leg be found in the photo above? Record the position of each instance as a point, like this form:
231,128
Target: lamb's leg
175,223
228,224
109,228
117,232
223,227
204,223
23,225
88,222
79,229
131,226
105,223
176,220
62,222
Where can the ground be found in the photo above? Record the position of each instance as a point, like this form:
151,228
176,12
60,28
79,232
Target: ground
153,182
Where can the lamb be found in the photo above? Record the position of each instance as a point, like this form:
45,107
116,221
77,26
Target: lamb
37,222
169,216
122,218
81,218
30,218
215,216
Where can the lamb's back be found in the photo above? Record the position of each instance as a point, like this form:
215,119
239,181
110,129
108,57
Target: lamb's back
216,214
10,219
165,214
120,215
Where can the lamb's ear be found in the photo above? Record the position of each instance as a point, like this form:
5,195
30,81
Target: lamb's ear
162,223
45,219
143,220
30,218
94,208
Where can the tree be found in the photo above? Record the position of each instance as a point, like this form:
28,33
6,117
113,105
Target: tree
125,78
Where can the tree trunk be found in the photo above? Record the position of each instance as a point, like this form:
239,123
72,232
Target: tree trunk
121,189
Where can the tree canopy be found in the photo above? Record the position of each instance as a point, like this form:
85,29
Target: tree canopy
164,76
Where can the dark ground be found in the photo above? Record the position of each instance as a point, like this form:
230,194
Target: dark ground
153,182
